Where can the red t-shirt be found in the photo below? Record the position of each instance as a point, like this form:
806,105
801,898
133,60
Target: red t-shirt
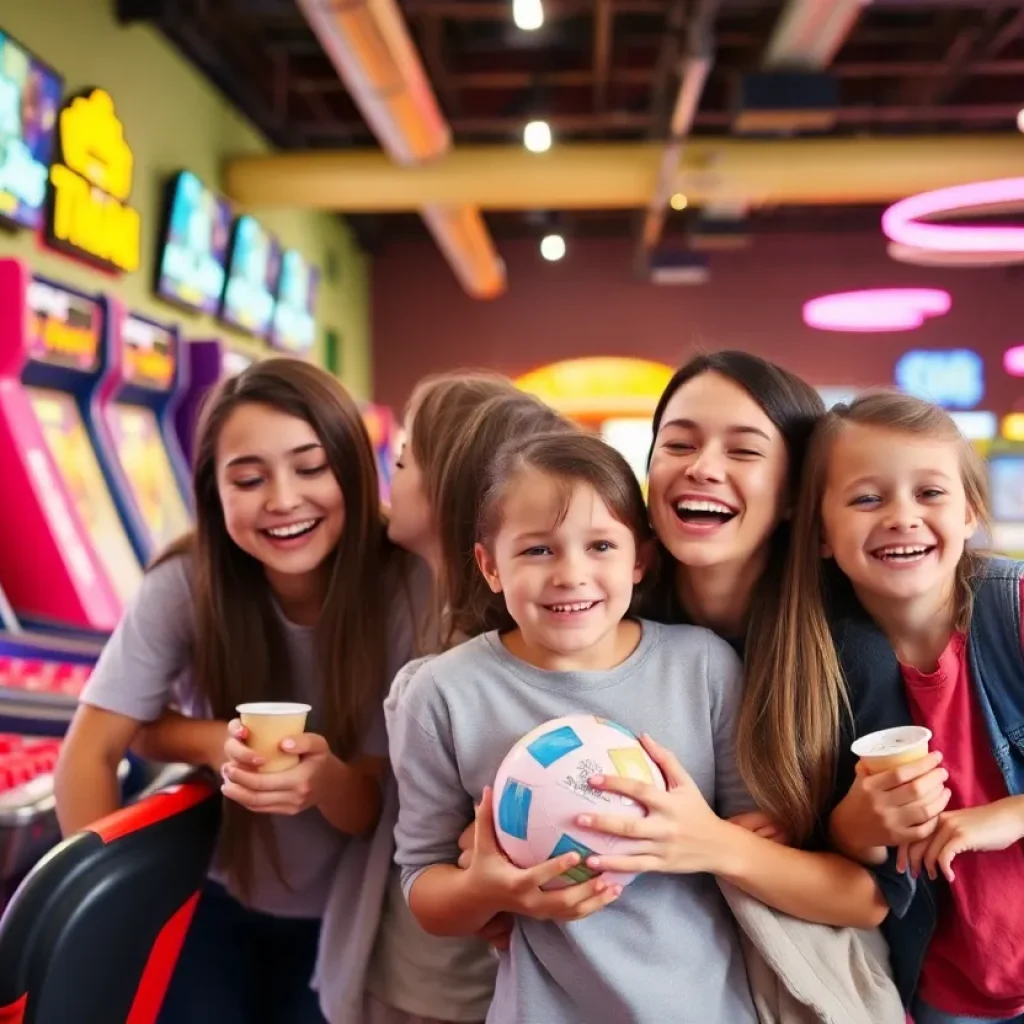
974,966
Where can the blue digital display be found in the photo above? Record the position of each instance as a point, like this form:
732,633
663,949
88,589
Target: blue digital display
252,279
191,263
952,378
294,323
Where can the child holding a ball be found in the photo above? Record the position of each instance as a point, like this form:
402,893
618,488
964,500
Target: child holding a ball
563,537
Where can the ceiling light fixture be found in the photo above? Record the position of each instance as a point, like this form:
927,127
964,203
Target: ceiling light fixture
528,14
537,136
679,201
876,310
552,247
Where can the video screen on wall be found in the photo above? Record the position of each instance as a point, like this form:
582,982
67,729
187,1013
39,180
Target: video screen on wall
253,272
1006,484
293,328
194,247
30,98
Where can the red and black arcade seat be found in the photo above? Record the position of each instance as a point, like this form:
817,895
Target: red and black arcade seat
93,933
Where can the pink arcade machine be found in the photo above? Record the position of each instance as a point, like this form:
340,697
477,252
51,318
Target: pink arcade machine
65,557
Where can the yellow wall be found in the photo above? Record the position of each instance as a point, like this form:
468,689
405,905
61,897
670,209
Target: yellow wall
174,119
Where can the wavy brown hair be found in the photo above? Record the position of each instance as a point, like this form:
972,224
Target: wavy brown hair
240,650
459,423
797,681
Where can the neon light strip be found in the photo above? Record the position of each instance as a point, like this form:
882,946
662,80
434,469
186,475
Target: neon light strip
901,222
876,310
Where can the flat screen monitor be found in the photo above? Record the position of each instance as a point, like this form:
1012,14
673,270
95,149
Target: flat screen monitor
294,323
193,250
252,278
30,99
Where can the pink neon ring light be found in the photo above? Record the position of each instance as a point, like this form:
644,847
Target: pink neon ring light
876,310
901,222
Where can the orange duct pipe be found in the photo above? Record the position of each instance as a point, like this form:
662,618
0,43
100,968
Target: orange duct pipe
369,45
622,175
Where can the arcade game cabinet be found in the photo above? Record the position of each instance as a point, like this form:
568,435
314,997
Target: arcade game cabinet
131,424
207,362
65,558
383,430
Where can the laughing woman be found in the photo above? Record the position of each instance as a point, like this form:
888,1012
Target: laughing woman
729,439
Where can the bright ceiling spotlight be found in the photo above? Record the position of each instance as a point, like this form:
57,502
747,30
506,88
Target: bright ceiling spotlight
552,247
537,136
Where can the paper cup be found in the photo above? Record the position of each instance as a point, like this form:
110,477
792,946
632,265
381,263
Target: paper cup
269,723
890,748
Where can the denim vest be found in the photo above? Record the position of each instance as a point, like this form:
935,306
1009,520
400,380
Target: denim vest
878,701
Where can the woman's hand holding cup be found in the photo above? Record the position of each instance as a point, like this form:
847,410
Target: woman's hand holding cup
271,765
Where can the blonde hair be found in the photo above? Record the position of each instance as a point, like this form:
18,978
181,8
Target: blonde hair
459,423
787,752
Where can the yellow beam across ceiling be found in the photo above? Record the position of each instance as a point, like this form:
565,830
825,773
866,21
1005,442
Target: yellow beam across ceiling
621,175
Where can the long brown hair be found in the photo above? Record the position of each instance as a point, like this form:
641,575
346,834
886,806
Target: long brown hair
770,735
459,423
240,651
795,686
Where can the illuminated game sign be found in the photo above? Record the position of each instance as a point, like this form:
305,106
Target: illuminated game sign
90,183
65,328
190,266
149,353
952,378
252,278
293,328
29,100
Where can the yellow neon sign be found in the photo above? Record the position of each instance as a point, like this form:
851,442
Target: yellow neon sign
89,211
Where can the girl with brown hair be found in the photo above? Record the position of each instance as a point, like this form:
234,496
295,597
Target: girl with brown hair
454,425
288,589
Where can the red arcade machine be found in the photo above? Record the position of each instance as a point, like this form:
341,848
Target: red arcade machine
65,558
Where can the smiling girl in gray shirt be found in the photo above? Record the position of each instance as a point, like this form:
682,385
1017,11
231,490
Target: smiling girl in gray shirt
562,533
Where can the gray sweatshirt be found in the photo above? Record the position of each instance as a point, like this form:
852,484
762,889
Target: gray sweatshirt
667,950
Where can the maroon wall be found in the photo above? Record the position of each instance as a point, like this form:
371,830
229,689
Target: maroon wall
589,305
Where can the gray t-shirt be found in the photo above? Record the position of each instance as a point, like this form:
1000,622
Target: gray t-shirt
145,668
446,978
667,951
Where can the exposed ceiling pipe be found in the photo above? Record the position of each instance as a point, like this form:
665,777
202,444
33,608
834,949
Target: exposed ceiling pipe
809,33
696,66
369,45
838,170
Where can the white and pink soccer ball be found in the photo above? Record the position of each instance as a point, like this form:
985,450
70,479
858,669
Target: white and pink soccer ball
542,787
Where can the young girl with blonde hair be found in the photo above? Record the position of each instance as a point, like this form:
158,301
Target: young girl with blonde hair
927,631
